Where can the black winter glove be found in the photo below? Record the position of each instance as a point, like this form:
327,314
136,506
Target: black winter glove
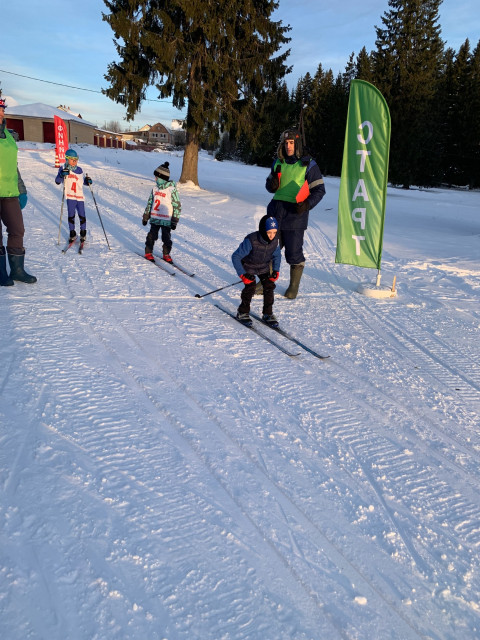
173,223
273,182
87,181
64,172
145,219
302,207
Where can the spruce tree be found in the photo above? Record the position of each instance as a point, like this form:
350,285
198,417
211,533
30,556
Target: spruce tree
458,121
364,67
216,57
468,139
408,60
475,120
274,112
445,109
317,118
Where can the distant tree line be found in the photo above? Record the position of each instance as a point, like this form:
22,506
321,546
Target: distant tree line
433,95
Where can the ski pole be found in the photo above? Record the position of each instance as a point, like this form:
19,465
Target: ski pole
99,216
197,295
61,213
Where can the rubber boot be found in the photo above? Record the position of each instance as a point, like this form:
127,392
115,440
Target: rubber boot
17,272
296,271
5,279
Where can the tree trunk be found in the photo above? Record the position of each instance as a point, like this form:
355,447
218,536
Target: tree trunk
190,159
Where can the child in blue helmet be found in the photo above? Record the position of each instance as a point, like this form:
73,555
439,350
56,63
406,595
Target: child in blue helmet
162,211
253,257
72,176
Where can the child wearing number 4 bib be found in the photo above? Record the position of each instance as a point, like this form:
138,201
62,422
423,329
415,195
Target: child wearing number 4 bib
162,211
74,180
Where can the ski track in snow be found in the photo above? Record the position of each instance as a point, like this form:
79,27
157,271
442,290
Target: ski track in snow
197,483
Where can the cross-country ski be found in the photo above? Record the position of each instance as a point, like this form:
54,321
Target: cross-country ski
69,245
174,263
256,330
290,337
161,264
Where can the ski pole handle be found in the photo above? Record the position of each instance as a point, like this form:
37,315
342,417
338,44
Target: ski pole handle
197,295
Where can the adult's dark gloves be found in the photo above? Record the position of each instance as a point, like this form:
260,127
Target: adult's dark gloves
302,207
273,182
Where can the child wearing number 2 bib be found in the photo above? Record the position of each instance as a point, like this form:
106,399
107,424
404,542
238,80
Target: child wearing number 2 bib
162,211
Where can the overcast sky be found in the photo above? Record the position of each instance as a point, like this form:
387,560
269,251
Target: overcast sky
70,44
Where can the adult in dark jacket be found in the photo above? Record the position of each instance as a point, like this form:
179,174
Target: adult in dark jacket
253,257
297,184
13,198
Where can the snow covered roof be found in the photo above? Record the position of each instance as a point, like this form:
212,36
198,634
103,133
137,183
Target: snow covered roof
177,125
40,110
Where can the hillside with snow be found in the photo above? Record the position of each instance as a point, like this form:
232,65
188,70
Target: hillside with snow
166,474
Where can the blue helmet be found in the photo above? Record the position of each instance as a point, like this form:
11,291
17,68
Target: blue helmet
71,153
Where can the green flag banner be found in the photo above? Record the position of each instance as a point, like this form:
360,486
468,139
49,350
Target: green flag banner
363,184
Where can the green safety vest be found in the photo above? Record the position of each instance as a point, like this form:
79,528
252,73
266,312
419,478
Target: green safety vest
291,180
8,167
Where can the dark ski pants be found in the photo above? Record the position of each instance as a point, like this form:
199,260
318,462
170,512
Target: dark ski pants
249,291
292,241
11,216
152,237
79,207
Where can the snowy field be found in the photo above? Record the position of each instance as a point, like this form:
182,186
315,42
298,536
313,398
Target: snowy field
166,474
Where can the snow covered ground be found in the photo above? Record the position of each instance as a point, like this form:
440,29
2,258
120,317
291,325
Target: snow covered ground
167,474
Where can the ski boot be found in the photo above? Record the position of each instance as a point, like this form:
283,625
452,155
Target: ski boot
244,318
271,320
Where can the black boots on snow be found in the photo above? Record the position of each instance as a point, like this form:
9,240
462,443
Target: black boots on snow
17,272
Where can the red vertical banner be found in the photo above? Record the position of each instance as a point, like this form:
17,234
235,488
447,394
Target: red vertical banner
61,138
